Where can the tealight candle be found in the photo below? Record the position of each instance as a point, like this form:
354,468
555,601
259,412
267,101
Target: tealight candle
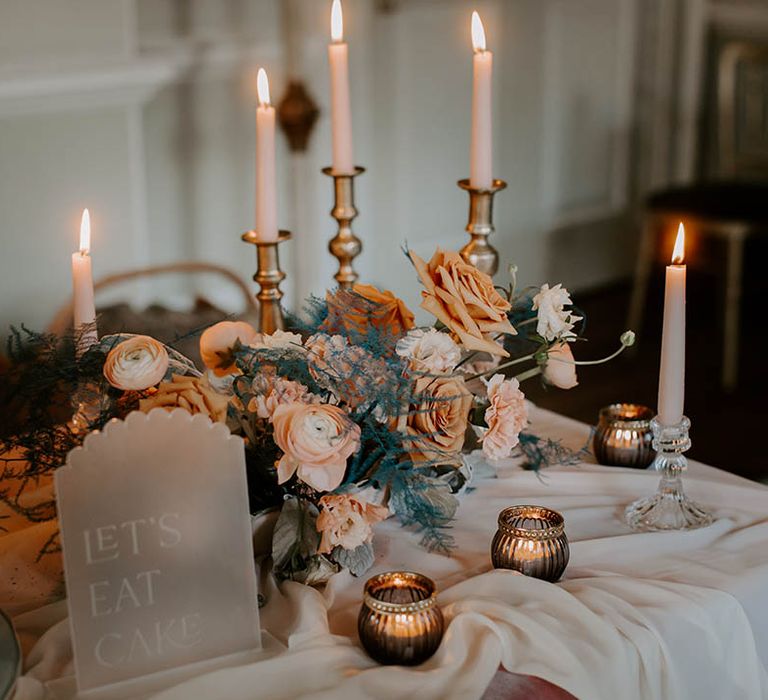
400,621
531,540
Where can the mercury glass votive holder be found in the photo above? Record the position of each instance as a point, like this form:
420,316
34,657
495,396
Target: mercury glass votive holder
531,540
400,621
624,437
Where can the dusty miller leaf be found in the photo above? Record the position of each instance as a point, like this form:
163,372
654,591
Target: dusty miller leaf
296,538
357,560
317,571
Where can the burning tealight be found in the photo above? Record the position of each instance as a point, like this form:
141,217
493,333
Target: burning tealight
400,621
531,540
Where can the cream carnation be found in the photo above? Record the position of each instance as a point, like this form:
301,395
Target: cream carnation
506,416
345,521
136,364
554,321
429,351
317,440
274,392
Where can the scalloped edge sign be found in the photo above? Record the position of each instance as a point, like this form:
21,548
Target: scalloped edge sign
158,555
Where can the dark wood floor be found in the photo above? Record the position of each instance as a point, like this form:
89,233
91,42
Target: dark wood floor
728,429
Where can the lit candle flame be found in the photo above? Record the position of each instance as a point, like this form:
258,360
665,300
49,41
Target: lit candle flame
478,33
262,87
337,22
85,233
678,254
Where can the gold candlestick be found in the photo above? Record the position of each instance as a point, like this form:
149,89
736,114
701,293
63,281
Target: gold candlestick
269,276
478,251
345,246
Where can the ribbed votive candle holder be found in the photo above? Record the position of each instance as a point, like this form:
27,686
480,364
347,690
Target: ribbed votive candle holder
400,621
624,437
531,540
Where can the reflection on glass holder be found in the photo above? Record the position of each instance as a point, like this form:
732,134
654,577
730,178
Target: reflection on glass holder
669,508
400,621
624,437
531,540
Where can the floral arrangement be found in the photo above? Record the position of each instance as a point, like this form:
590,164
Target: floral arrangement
355,415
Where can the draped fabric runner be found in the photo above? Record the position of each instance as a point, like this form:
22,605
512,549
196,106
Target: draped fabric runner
660,615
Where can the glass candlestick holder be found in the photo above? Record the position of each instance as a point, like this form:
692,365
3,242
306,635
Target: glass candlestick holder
669,508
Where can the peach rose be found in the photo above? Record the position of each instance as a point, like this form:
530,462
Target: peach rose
136,364
465,300
559,368
438,423
317,440
219,343
355,312
345,521
193,394
506,416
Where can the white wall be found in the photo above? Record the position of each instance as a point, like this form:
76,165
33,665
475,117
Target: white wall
142,110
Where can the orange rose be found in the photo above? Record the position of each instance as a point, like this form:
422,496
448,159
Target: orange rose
465,300
218,344
354,312
438,423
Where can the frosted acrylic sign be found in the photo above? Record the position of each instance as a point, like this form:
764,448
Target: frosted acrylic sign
157,545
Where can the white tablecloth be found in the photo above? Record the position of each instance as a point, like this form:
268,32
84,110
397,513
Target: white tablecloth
662,615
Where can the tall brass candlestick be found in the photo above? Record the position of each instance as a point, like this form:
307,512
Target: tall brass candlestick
478,251
269,276
345,246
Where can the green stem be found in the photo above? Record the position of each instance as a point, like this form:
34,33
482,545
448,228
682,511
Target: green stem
589,362
533,372
525,358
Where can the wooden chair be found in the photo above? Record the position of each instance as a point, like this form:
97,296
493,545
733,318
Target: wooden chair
733,206
158,321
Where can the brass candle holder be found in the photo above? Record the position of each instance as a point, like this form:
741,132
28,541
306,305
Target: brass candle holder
531,540
479,252
345,246
400,621
268,276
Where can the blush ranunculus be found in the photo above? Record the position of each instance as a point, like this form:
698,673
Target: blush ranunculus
136,364
316,440
559,368
506,416
345,520
219,342
465,300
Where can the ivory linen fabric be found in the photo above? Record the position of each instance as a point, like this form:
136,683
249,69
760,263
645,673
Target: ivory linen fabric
660,615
